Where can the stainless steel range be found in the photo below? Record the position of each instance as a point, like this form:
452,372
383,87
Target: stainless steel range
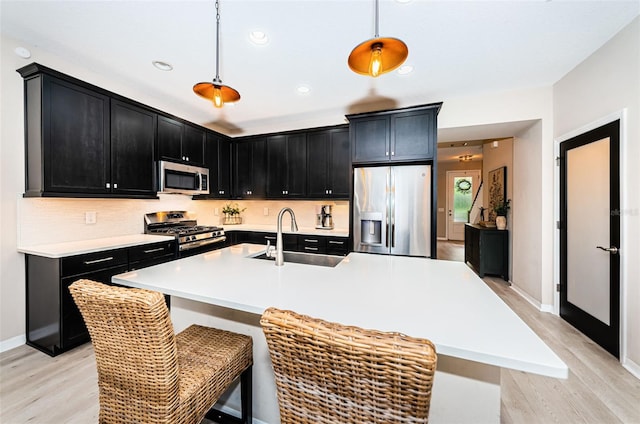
192,238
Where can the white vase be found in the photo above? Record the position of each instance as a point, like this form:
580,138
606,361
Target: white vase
501,222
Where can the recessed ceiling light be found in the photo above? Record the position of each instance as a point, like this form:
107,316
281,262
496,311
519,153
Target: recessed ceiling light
303,89
22,52
163,66
403,1
258,37
405,69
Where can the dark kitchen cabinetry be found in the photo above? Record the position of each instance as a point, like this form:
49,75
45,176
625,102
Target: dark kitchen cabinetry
218,160
401,135
54,323
294,242
179,141
487,249
81,142
249,168
287,165
132,146
328,164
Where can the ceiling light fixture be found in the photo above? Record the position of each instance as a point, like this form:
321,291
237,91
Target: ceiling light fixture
163,66
465,158
215,91
258,37
23,52
377,56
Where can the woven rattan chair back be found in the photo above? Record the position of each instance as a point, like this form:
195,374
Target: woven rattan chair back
328,373
146,373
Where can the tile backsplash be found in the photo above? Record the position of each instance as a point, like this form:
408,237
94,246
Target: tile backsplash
53,220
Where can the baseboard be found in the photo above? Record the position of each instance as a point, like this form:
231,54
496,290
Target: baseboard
632,367
12,343
539,306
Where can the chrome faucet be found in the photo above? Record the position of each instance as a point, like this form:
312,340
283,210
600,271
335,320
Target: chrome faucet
279,244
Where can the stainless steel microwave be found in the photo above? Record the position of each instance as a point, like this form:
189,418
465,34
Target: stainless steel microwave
181,178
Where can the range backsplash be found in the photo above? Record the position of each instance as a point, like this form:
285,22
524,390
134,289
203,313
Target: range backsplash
47,220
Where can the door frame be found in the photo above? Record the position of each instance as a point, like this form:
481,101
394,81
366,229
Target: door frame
624,242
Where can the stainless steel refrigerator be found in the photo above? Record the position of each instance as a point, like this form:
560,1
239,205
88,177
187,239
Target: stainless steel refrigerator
392,210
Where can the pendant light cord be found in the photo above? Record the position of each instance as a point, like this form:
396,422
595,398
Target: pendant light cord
377,34
217,79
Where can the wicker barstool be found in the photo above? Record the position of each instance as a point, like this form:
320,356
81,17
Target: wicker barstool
146,373
328,373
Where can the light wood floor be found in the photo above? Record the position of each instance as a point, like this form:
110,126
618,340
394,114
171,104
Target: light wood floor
35,388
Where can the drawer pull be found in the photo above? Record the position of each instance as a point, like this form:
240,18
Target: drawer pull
97,261
310,248
311,240
336,242
159,249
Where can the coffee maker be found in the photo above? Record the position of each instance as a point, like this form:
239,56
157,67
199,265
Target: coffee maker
324,221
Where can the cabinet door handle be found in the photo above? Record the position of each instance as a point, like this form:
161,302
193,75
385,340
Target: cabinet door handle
97,261
311,240
330,191
311,248
159,249
393,153
386,153
336,242
115,185
108,185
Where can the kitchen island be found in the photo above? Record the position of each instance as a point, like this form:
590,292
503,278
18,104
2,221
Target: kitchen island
475,333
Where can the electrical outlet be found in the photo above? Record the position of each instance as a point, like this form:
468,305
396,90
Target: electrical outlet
216,212
90,217
265,211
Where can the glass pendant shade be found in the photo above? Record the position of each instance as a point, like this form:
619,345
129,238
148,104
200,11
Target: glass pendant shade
378,56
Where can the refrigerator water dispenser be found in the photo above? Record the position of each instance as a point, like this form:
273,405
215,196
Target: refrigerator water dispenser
371,228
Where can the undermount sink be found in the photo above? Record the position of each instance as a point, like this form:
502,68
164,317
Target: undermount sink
305,258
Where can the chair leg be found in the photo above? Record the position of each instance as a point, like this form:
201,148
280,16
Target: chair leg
246,396
246,402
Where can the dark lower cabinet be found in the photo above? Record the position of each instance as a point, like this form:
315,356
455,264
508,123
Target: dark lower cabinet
487,250
294,242
54,323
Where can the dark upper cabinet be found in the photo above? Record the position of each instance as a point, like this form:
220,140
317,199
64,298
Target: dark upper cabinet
329,164
78,140
401,135
249,168
179,141
287,165
132,144
218,160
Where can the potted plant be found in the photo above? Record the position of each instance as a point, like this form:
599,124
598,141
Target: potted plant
501,210
232,213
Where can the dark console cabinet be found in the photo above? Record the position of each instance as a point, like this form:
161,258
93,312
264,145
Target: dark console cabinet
54,323
487,250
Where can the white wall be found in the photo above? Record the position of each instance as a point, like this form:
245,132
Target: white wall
605,84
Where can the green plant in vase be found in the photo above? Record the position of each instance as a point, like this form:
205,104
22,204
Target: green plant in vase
232,213
501,209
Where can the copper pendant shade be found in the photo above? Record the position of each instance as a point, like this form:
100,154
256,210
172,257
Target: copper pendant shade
378,55
215,91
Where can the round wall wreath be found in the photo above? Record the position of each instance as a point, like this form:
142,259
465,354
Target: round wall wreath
463,186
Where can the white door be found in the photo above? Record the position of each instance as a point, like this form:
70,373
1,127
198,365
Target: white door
462,187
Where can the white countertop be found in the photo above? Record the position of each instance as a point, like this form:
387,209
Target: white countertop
439,300
286,228
61,250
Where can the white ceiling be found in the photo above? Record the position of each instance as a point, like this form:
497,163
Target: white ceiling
456,48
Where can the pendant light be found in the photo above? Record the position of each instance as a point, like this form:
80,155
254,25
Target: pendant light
215,91
378,55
